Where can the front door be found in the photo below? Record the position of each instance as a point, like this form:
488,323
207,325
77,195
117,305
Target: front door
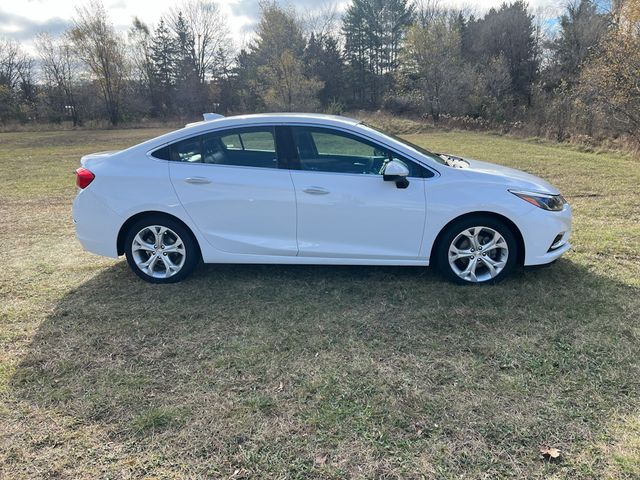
345,208
230,185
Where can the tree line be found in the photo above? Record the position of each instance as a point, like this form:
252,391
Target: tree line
501,68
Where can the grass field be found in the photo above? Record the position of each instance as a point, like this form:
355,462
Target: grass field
325,372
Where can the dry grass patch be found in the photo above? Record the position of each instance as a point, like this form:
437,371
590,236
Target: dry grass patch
317,372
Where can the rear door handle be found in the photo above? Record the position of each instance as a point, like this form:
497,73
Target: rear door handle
197,180
316,191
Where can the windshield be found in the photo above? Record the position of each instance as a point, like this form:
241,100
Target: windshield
435,157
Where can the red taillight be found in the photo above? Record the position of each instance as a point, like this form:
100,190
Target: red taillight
84,177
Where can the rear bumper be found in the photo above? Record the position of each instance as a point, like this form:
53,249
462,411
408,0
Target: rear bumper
540,229
97,226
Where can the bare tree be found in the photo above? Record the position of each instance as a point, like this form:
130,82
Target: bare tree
17,86
102,50
322,22
428,10
278,52
611,80
12,61
433,54
208,28
60,69
287,89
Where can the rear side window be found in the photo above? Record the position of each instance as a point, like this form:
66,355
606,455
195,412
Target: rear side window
258,141
232,142
163,154
187,151
244,147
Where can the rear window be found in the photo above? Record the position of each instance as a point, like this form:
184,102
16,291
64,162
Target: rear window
240,147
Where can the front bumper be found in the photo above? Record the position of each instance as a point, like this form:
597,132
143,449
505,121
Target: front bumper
540,229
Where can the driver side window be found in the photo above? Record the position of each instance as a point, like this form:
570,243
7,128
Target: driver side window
332,144
326,150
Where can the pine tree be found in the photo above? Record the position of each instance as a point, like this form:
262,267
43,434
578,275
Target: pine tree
191,95
582,28
323,61
509,32
276,62
374,31
163,58
185,51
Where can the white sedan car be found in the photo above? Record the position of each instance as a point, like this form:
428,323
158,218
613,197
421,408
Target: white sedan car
311,189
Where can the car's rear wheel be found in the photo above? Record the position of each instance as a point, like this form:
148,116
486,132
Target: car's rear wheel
479,249
161,250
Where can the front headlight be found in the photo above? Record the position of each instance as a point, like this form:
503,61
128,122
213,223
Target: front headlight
553,203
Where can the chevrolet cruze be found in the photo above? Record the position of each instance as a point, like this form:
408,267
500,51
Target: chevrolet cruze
311,189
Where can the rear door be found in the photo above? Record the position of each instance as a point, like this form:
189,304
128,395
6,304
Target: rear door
345,208
231,186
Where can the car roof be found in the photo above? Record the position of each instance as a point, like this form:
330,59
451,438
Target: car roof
274,118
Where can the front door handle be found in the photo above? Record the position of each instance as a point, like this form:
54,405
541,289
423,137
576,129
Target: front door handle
316,191
197,180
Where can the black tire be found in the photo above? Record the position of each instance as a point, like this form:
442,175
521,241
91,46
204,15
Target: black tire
191,250
441,251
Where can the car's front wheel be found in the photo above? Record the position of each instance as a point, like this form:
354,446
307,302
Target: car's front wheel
480,249
161,250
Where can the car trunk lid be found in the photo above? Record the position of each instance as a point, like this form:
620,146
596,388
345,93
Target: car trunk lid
93,158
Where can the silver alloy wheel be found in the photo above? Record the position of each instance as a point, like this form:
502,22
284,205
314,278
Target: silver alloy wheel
158,251
478,254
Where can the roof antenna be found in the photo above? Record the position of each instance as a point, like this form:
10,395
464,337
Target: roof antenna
211,116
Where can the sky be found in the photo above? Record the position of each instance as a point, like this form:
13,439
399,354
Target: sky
22,20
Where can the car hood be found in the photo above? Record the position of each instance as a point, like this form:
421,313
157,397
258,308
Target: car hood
510,177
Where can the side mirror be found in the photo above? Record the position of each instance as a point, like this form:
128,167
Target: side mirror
396,171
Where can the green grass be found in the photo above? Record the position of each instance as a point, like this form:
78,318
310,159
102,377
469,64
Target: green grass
325,372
